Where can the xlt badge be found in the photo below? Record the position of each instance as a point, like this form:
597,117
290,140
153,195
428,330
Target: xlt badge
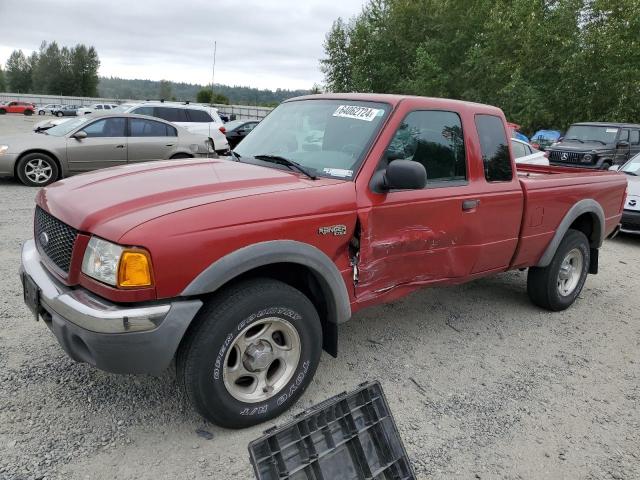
336,230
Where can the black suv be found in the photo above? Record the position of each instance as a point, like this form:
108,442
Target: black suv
596,145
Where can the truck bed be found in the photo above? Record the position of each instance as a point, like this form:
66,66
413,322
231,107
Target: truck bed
549,193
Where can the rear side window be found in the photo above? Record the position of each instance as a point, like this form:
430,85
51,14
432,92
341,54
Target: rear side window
634,137
140,127
434,139
519,150
144,111
624,136
199,116
494,148
171,114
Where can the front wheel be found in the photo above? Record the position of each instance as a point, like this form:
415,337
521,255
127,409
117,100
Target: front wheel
556,286
37,170
59,114
252,353
41,112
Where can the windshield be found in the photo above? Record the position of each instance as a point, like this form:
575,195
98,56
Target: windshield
329,138
632,166
66,127
587,133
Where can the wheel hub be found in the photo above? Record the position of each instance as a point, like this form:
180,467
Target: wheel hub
258,356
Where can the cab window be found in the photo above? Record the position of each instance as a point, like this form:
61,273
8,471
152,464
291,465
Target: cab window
494,148
108,127
433,138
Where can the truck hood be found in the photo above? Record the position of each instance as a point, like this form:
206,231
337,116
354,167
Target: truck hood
110,202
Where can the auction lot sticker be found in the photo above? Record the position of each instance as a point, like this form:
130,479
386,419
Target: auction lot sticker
359,113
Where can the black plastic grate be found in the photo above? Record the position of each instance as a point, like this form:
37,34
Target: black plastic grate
60,237
565,157
348,437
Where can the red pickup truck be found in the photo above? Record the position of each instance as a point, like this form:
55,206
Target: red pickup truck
242,268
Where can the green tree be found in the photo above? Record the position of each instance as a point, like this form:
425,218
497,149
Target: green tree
164,90
337,65
84,64
219,98
204,96
3,85
18,72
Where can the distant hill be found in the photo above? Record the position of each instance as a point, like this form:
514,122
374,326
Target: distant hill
113,87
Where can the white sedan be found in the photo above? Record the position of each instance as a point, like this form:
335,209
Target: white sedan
525,153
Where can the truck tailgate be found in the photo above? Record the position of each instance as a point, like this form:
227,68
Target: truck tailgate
550,192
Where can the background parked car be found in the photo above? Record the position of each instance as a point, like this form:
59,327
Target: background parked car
17,107
49,108
236,130
92,142
66,111
543,139
96,108
195,118
525,153
630,222
596,145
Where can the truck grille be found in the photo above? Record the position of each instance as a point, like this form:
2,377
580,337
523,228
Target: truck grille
571,157
54,238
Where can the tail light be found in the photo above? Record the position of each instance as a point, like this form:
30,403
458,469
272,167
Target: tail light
223,130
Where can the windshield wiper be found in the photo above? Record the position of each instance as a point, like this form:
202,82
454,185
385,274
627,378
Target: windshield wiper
630,173
285,161
236,156
577,139
594,140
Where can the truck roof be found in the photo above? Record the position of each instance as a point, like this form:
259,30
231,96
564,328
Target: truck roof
393,100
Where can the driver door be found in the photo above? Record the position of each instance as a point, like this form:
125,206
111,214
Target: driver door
622,147
105,146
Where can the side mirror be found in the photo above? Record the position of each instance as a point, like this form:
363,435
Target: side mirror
400,175
614,168
79,135
622,144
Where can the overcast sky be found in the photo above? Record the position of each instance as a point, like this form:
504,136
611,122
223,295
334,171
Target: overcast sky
264,44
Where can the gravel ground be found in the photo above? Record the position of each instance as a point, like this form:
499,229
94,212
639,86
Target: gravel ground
482,383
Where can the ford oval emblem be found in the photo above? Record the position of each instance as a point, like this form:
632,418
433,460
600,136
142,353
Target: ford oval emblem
43,238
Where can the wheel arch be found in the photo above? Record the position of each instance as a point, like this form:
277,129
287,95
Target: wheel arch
298,264
586,216
61,171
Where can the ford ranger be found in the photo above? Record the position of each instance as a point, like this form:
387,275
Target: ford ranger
241,269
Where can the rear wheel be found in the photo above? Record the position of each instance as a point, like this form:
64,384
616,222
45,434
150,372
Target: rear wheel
28,112
606,166
556,286
37,170
59,114
41,112
180,155
252,353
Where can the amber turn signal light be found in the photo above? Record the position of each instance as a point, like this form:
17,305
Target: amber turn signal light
135,270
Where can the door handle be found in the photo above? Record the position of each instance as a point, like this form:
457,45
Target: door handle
169,144
470,204
119,146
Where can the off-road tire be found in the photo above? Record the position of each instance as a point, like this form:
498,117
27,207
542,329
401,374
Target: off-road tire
542,282
203,352
23,174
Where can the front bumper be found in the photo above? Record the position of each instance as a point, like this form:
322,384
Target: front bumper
109,336
7,163
630,221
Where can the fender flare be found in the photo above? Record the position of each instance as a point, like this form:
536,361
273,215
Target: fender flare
261,254
597,237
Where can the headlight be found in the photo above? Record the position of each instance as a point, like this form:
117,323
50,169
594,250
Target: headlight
587,157
3,149
116,265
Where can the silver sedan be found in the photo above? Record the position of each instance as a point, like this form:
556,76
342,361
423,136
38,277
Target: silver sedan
89,143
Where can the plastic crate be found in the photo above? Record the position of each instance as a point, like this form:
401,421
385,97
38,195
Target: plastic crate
351,436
